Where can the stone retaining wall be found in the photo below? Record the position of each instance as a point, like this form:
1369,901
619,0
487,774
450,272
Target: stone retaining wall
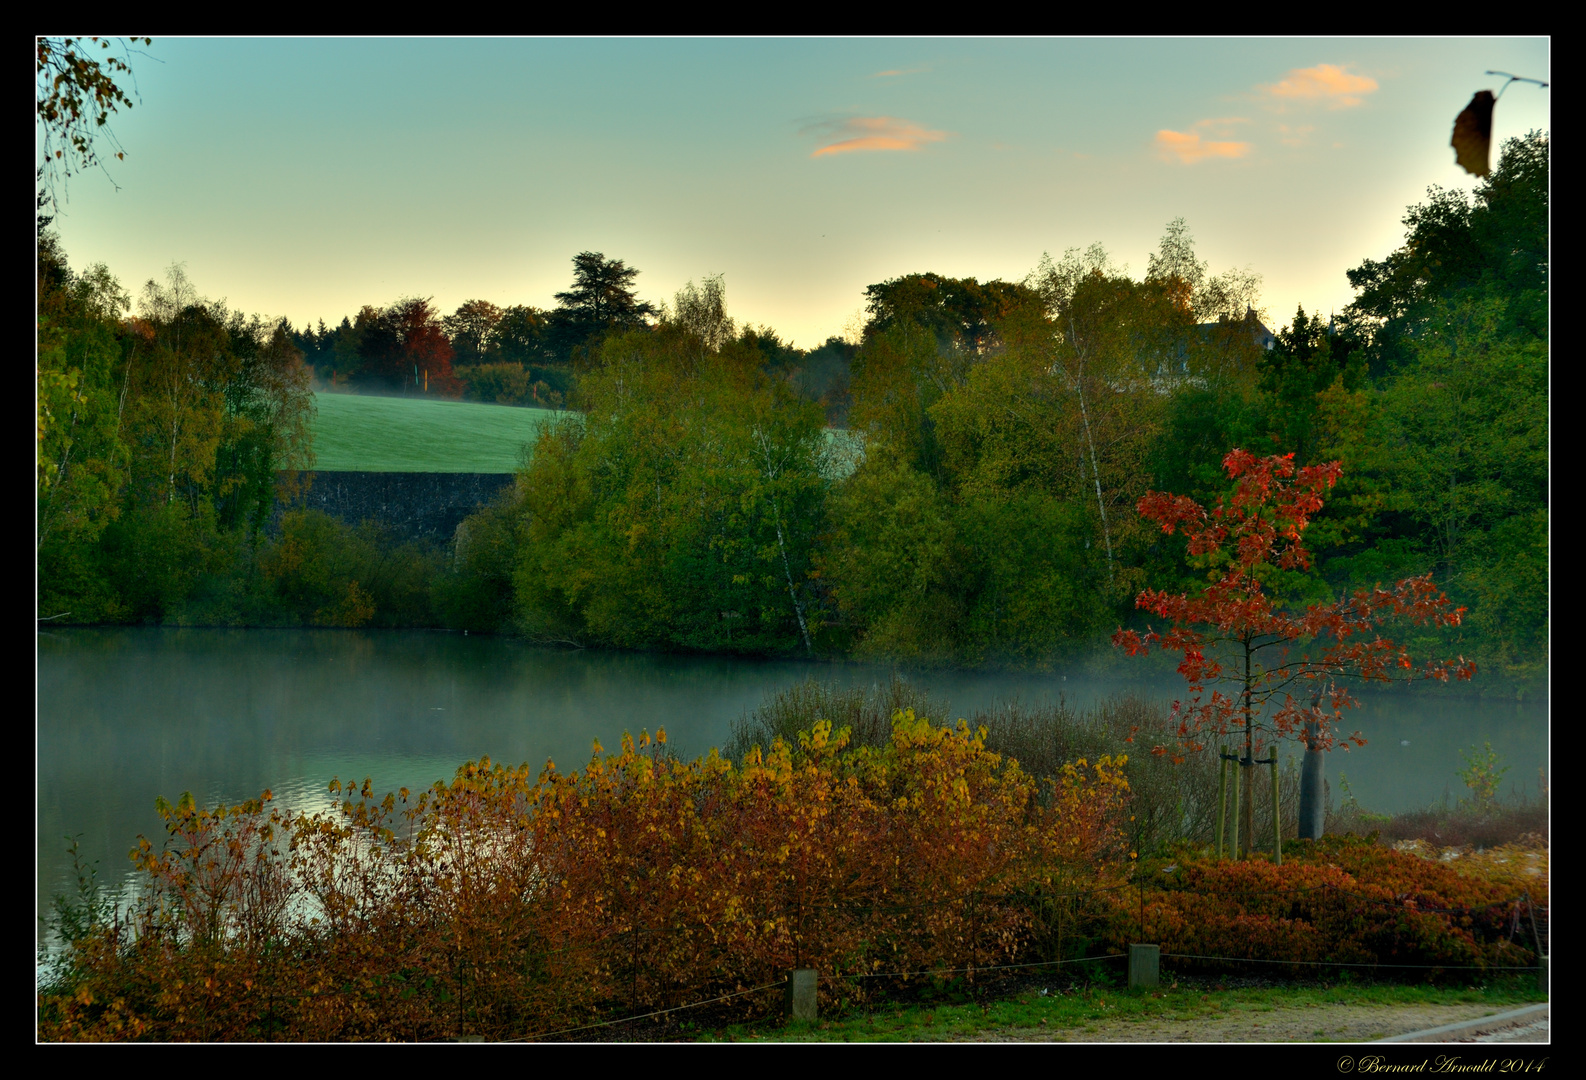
415,506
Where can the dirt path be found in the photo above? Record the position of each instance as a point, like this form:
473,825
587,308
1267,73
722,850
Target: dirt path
1257,1024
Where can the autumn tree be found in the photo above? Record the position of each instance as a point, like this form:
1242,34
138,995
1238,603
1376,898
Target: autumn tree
1106,332
81,446
702,312
77,92
179,365
405,346
472,330
1232,635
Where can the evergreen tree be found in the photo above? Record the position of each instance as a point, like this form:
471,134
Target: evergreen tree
602,299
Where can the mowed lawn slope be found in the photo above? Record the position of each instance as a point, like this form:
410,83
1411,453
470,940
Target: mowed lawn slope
392,434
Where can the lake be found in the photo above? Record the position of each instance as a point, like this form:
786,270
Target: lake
128,714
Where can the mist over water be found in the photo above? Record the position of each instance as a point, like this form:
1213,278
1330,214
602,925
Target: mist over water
126,715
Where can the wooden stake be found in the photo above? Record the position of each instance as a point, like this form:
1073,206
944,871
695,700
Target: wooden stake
1233,847
1222,798
1277,812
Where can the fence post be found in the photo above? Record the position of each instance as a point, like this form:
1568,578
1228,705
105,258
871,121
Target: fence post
801,994
1222,797
1145,966
1277,812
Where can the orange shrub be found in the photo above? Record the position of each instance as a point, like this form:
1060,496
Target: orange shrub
1342,900
507,905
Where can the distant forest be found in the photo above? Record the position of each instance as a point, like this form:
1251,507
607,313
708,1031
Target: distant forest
522,355
981,510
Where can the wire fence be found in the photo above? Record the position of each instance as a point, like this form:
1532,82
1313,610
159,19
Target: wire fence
781,984
837,980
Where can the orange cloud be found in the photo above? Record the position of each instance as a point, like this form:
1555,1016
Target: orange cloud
1324,82
876,133
1189,147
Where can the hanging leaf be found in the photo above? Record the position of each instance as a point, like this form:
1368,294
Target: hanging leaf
1473,134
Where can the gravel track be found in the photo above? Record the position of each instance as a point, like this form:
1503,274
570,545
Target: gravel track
1253,1024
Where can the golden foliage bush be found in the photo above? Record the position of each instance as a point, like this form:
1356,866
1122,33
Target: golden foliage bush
509,905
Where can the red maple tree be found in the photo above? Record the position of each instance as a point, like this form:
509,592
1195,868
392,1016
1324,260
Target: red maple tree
1232,634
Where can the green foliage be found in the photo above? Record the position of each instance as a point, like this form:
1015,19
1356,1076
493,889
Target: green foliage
1482,774
681,509
164,442
956,312
1304,362
82,455
1496,246
155,553
892,563
1467,420
477,592
1036,586
509,384
322,572
981,510
898,374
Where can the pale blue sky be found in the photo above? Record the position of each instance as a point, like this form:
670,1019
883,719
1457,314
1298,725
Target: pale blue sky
307,177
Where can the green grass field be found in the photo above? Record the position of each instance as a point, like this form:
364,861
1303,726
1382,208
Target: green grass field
391,434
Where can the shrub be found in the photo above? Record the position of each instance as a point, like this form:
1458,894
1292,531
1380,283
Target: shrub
323,572
509,906
1169,803
1341,900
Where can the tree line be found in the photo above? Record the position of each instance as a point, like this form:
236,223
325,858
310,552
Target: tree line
978,508
518,354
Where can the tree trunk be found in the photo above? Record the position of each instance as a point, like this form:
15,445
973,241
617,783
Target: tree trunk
1090,443
1312,777
781,543
1247,767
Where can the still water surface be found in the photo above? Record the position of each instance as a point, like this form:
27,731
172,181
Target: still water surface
125,715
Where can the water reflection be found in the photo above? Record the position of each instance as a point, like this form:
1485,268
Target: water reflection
125,715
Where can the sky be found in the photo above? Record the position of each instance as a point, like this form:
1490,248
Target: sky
307,177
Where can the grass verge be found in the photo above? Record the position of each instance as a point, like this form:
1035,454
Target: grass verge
1081,1013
